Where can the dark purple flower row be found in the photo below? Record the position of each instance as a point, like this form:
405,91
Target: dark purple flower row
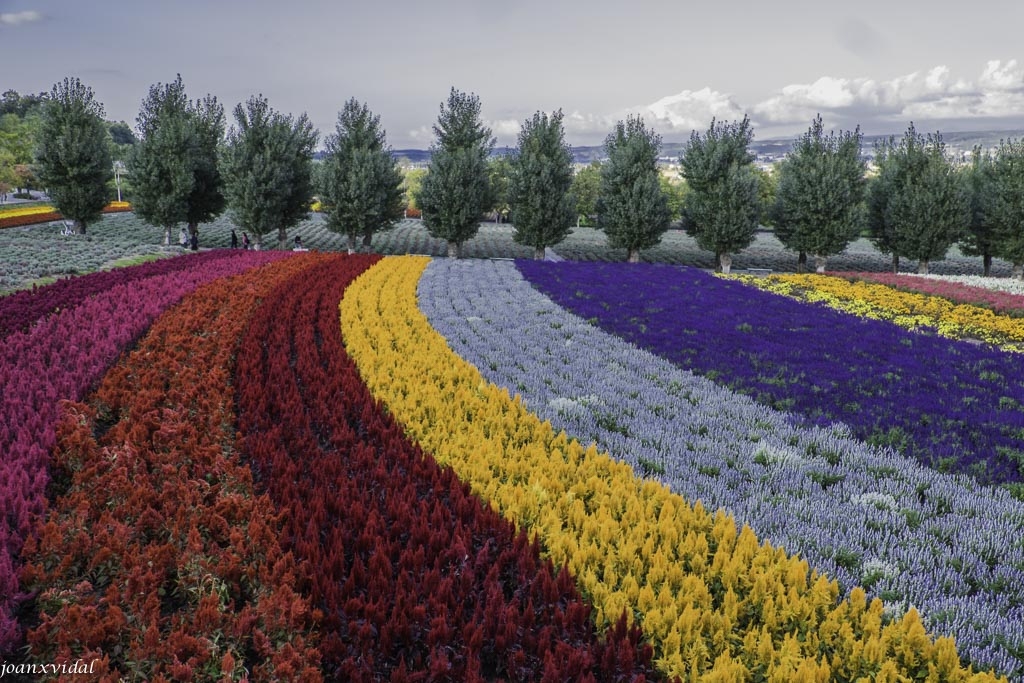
62,357
20,310
952,405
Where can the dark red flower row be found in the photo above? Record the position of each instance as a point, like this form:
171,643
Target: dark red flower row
157,559
956,292
416,578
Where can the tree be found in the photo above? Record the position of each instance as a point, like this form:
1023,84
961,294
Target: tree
541,175
361,186
674,189
917,207
412,181
1004,204
499,175
174,166
818,204
631,208
980,238
586,187
723,205
456,191
267,167
73,153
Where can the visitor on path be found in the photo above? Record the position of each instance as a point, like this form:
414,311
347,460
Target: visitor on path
298,243
195,241
234,240
245,240
183,238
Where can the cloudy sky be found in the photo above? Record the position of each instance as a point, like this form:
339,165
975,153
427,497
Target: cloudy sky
878,64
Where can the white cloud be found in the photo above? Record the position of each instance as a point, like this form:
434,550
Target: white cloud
998,92
691,110
504,129
15,18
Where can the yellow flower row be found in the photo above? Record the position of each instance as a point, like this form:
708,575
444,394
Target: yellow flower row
15,211
906,309
716,604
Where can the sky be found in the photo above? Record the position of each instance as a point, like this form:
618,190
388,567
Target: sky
878,64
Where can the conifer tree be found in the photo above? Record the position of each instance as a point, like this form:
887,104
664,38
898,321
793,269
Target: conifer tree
360,183
542,208
456,191
723,206
267,167
73,152
818,207
1004,204
980,239
917,207
632,210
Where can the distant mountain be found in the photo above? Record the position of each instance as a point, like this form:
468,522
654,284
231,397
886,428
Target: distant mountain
957,142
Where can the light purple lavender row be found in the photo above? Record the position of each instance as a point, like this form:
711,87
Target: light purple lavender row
944,544
20,310
63,357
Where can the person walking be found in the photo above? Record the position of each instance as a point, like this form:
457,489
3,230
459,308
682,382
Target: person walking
183,238
245,240
234,240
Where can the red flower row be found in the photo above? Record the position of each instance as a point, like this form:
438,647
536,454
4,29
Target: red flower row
158,560
59,350
958,293
416,578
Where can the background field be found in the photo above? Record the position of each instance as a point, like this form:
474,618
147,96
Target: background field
33,253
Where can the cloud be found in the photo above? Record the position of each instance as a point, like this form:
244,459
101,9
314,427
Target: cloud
691,110
15,18
933,94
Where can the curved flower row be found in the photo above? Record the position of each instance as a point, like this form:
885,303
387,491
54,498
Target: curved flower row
62,357
20,310
951,405
157,559
1002,295
911,535
17,217
712,600
412,573
912,310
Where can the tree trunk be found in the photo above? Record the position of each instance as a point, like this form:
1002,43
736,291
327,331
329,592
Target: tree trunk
819,263
578,217
454,249
895,263
1018,271
634,256
986,264
367,240
351,243
922,267
801,262
282,238
726,262
538,253
193,233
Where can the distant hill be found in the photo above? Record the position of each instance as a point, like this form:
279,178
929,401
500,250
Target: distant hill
957,142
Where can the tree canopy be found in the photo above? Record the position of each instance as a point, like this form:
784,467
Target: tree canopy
267,167
73,152
541,176
723,205
632,210
456,191
360,183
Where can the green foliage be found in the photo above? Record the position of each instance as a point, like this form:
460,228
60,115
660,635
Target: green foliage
818,206
457,190
674,190
917,207
632,210
722,208
360,184
175,176
767,189
412,181
586,188
542,208
1003,205
73,154
267,167
499,174
979,239
121,133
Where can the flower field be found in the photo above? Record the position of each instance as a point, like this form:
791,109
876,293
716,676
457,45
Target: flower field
269,466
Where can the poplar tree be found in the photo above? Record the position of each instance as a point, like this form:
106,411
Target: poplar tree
175,175
818,207
1004,205
360,183
723,205
917,207
980,238
267,167
542,207
456,191
632,210
73,153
